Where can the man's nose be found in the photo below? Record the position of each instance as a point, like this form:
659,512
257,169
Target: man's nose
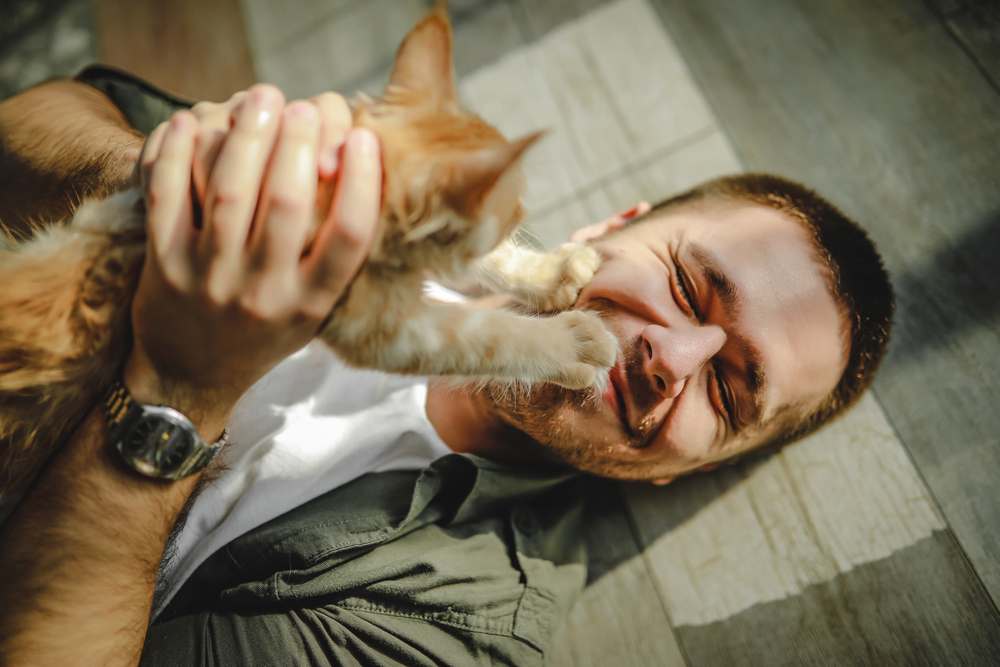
673,354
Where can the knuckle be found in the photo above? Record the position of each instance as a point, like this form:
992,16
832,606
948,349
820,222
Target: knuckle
263,304
174,279
221,201
155,195
215,292
348,238
287,204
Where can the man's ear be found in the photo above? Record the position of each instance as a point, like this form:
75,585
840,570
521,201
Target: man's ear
663,481
616,221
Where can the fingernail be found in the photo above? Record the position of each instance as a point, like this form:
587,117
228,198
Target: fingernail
362,141
179,121
303,111
631,213
261,95
261,108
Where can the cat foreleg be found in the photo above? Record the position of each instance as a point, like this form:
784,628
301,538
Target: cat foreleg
572,349
543,281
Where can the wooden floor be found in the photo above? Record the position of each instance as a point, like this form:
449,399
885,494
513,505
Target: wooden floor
876,541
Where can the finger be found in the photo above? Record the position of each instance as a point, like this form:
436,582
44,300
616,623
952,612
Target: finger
150,150
216,119
286,209
231,192
345,236
168,191
335,121
207,148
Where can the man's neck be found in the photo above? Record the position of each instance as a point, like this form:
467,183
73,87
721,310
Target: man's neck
467,422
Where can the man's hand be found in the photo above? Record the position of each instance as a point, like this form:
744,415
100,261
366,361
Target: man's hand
217,306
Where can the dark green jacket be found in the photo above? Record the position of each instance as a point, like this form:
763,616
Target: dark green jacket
467,562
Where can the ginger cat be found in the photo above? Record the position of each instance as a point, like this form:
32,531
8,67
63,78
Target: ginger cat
451,196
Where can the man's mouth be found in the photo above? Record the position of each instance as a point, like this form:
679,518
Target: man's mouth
614,396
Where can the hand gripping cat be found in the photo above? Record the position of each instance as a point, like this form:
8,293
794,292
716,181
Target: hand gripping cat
451,200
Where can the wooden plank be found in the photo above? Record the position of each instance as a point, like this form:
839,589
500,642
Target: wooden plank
657,105
617,620
870,616
699,157
540,18
977,28
161,42
484,31
876,105
831,551
273,25
602,120
343,50
759,532
498,93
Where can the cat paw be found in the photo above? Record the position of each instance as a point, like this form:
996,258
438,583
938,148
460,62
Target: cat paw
573,266
592,353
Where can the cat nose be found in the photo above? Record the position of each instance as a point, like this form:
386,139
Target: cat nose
671,355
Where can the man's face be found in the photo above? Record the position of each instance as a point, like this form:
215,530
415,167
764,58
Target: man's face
723,318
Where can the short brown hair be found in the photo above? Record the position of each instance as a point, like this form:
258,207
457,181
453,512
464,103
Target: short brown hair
856,276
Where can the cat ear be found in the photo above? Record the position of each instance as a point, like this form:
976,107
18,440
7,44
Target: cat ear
474,175
423,62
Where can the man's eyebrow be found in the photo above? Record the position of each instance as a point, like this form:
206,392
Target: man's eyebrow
725,289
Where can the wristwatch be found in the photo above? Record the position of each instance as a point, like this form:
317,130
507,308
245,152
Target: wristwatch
156,440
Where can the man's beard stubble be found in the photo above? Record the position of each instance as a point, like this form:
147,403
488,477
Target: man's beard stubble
548,415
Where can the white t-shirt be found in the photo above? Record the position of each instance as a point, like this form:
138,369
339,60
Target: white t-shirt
310,425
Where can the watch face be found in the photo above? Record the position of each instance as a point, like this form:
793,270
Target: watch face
159,441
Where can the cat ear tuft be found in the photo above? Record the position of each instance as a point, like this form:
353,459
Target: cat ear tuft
423,62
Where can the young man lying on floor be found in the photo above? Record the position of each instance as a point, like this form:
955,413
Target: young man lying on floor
360,517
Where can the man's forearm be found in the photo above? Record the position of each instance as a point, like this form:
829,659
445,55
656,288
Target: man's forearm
78,559
59,142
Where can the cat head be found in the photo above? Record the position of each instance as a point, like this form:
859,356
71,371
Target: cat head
452,182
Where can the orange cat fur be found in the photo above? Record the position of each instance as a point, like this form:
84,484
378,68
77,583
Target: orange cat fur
451,196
